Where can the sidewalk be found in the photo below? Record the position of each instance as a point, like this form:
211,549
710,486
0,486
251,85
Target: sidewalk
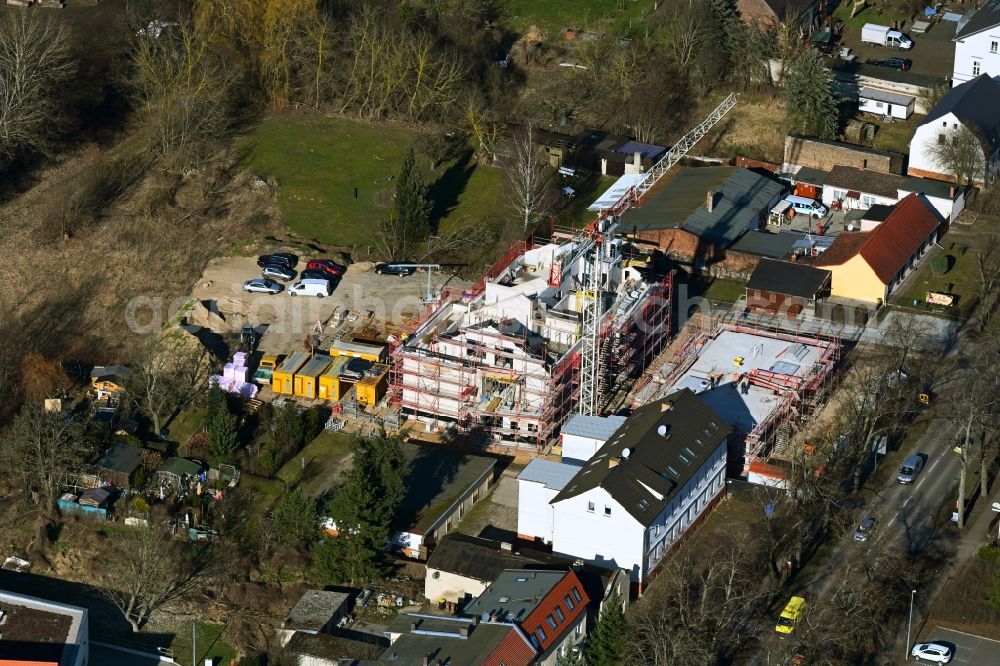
980,530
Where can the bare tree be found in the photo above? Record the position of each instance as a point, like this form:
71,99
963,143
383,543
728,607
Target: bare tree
987,279
34,68
166,371
959,153
143,568
528,180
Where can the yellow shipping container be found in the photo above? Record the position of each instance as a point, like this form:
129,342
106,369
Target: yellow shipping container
369,352
306,379
372,388
331,387
283,380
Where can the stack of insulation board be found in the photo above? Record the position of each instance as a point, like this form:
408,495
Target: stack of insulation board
234,377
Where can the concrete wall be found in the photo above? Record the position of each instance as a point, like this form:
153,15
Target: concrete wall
977,49
706,258
534,513
824,155
770,302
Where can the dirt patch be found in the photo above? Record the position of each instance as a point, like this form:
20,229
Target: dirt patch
286,322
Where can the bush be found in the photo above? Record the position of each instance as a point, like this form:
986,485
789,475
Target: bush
942,263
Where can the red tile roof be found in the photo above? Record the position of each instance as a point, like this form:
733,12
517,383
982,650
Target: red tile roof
889,246
549,603
514,650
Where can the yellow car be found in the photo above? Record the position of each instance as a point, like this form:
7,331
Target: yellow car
790,616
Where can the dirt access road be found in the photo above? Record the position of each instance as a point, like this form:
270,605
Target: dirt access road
286,321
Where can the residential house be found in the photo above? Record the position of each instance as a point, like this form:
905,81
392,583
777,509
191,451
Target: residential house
549,607
582,435
785,288
977,43
119,464
43,633
108,381
972,105
441,487
331,650
316,612
806,13
850,188
886,103
701,212
656,476
868,266
421,639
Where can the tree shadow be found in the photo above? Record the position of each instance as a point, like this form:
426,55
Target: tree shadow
446,189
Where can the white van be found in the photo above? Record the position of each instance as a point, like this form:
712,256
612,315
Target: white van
310,287
806,206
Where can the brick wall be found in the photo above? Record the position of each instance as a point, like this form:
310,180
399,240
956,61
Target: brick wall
706,258
825,155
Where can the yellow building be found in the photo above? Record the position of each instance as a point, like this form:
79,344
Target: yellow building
869,266
331,386
372,388
283,380
307,378
369,352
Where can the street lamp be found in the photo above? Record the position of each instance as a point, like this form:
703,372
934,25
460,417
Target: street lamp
909,626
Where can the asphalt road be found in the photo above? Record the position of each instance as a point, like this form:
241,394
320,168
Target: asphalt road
969,649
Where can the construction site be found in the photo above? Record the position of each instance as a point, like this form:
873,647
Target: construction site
766,383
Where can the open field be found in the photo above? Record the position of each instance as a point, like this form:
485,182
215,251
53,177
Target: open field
552,16
756,128
336,176
320,465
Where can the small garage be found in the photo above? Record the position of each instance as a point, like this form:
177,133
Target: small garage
785,288
885,103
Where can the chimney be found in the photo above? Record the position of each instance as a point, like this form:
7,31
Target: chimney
637,158
951,192
710,200
506,546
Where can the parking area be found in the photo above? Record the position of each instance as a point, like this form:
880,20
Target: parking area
933,53
286,321
969,649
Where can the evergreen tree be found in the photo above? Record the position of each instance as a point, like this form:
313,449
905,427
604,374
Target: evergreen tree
295,519
604,644
222,434
810,104
363,508
412,208
287,433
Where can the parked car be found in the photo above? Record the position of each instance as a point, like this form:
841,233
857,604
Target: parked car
286,259
395,268
262,286
278,272
910,468
806,206
790,615
318,288
327,265
308,274
865,529
895,62
935,652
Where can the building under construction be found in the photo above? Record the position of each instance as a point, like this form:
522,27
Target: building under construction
764,382
505,357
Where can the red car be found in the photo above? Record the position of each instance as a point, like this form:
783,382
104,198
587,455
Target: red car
327,266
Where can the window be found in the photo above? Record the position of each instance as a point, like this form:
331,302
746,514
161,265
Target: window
975,68
607,510
879,105
551,621
576,595
534,642
540,633
569,602
559,614
590,507
942,139
993,47
579,629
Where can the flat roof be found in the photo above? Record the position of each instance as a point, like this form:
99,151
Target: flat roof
315,609
437,479
718,356
551,474
886,96
36,629
611,195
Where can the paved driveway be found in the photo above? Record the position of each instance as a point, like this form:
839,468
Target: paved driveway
969,649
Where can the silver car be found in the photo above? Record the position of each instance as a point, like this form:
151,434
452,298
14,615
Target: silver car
910,468
262,286
935,652
865,529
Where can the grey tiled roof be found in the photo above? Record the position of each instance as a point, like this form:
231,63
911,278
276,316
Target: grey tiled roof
596,427
552,474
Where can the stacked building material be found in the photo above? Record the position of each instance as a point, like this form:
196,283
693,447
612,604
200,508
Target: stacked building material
234,377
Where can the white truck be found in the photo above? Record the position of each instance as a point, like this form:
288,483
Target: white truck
883,35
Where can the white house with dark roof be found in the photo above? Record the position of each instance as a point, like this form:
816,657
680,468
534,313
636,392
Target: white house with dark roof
659,472
973,105
537,486
583,435
977,43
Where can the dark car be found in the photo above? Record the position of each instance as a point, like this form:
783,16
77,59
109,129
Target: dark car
278,272
312,274
326,265
895,62
395,268
286,259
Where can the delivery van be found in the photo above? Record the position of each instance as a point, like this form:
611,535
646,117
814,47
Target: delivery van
790,615
311,287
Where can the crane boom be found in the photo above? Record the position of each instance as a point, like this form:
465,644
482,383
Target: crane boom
605,226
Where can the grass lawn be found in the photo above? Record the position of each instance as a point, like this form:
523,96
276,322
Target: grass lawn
266,491
324,460
960,280
552,16
209,644
869,14
895,136
318,162
714,289
185,424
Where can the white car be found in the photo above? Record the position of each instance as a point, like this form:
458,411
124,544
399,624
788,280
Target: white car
262,286
935,652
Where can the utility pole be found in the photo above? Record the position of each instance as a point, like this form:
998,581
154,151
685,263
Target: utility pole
194,642
909,627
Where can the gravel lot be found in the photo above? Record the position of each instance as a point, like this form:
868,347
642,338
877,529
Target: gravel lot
286,321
